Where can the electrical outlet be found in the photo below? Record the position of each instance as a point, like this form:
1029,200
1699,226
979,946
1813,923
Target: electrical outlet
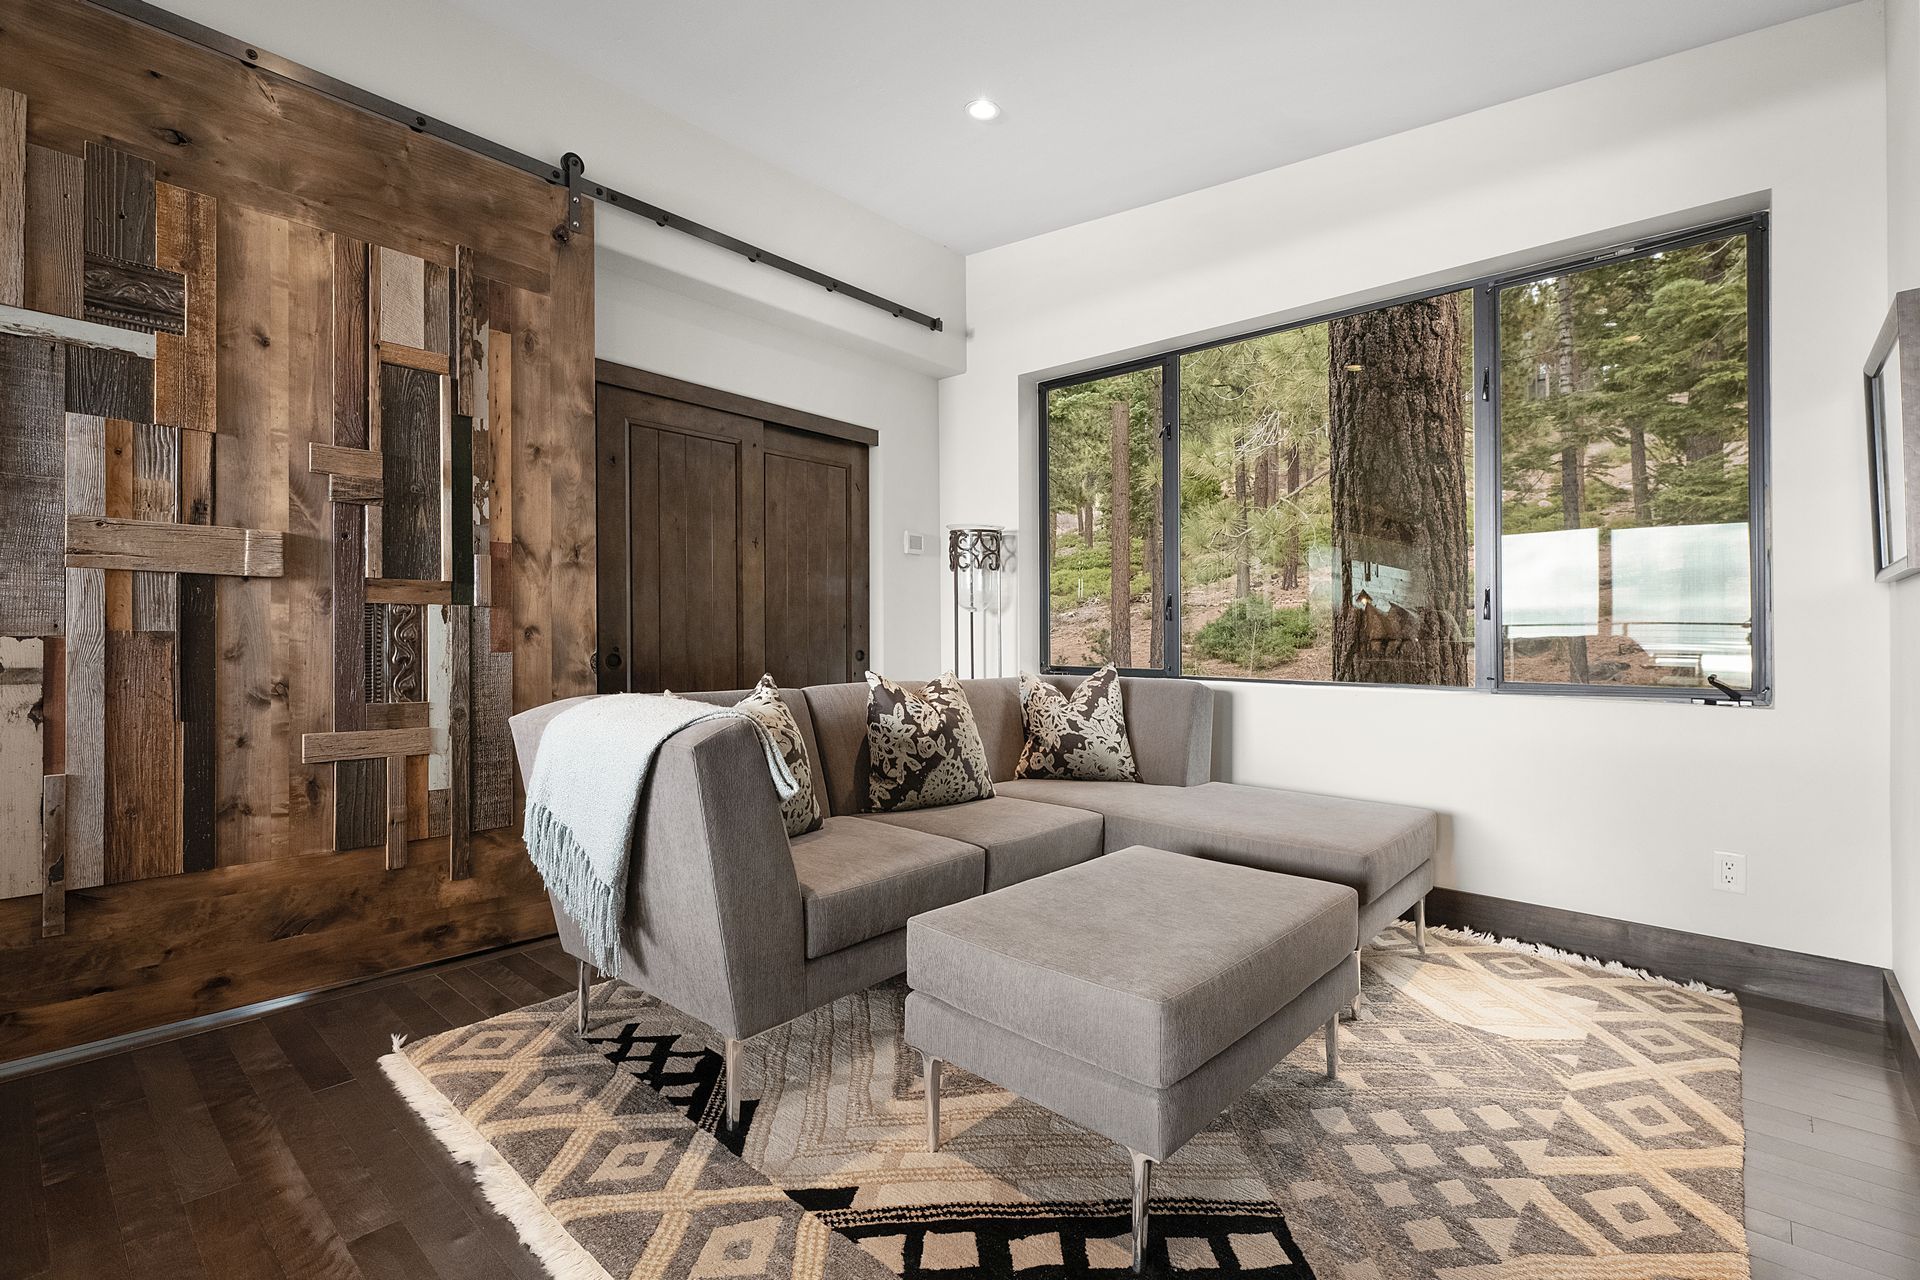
1730,872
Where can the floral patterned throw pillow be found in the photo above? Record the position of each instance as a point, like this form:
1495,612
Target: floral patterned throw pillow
923,749
1082,736
801,809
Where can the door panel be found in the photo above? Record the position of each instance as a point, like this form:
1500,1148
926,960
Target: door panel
816,558
728,547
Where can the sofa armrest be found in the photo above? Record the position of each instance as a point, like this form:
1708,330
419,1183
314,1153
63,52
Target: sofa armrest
714,922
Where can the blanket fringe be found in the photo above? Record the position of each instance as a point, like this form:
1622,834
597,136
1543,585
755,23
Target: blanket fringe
504,1189
1573,957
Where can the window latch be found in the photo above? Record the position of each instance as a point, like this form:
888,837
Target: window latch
1486,384
1168,615
1486,605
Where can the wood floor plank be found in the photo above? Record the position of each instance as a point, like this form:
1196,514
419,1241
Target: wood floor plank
83,1229
307,1050
298,1230
392,1253
195,1153
418,1018
444,1000
1805,1262
1820,1204
154,1226
351,1196
477,991
23,1226
538,976
516,988
230,1236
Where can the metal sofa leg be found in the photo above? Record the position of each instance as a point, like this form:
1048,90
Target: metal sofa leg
733,1082
582,996
1142,1192
932,1066
1333,1047
1420,925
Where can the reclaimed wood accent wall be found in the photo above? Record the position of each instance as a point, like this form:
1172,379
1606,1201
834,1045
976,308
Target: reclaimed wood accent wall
296,415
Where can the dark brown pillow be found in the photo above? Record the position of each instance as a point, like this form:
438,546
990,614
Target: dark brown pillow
923,749
1081,737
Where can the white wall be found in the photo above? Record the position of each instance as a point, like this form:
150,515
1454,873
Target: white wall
1903,272
1598,806
667,302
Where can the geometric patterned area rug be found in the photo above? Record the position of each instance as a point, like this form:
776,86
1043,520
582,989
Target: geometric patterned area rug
1502,1113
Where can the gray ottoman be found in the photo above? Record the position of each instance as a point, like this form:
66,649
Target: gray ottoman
1138,994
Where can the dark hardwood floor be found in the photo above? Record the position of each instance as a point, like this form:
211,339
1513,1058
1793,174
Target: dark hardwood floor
275,1148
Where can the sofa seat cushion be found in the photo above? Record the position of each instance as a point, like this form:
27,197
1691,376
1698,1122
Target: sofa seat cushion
1023,839
1142,963
860,879
1362,843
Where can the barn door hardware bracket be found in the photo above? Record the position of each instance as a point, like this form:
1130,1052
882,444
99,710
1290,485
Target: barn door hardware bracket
573,176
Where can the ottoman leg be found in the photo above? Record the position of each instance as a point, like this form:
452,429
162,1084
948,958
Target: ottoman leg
933,1102
1333,1047
1142,1191
582,996
1420,925
733,1082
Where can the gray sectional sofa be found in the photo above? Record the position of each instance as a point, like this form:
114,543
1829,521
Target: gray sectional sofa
732,922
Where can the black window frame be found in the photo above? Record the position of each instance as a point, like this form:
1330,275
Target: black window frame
1489,649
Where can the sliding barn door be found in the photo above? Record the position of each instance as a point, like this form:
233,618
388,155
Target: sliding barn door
729,547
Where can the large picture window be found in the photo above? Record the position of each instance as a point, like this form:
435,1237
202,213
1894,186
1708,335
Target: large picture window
1544,481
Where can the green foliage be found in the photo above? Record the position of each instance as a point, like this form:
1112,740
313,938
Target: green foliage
1254,633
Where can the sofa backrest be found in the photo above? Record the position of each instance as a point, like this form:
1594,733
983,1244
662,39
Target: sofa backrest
1169,725
796,702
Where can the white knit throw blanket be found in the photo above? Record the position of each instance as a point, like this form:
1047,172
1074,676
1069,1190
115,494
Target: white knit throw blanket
584,802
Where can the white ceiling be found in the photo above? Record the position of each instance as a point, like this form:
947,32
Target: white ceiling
1109,104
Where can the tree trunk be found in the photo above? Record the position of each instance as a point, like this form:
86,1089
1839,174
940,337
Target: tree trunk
1573,497
1086,522
1263,479
1120,535
1154,554
1399,489
1290,565
1637,452
1242,525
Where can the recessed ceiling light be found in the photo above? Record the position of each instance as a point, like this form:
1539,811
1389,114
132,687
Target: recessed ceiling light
984,109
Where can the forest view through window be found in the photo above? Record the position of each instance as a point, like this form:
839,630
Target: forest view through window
1301,505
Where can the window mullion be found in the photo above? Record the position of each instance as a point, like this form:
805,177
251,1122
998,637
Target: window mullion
1486,483
1170,514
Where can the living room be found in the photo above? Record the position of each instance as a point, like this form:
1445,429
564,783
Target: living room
1274,640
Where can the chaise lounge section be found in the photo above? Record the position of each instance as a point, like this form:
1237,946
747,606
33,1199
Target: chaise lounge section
731,922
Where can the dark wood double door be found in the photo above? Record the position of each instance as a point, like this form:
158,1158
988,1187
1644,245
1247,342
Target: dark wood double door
732,540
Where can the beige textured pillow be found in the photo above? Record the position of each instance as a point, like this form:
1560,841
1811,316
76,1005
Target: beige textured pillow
1082,736
923,749
801,809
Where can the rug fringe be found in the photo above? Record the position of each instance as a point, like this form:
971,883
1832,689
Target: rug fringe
1574,957
504,1189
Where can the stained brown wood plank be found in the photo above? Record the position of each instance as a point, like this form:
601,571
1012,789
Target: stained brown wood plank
470,332
292,1218
373,518
408,591
133,295
500,632
119,507
500,437
437,302
397,808
406,357
230,1236
531,479
336,460
32,456
53,855
185,392
154,1227
198,1159
142,839
307,1050
570,616
492,741
397,715
266,280
359,744
53,215
23,1228
86,657
352,1198
198,745
460,741
360,788
22,682
410,432
13,198
100,542
156,496
83,1230
305,593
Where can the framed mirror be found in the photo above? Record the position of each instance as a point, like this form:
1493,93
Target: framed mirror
1893,439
